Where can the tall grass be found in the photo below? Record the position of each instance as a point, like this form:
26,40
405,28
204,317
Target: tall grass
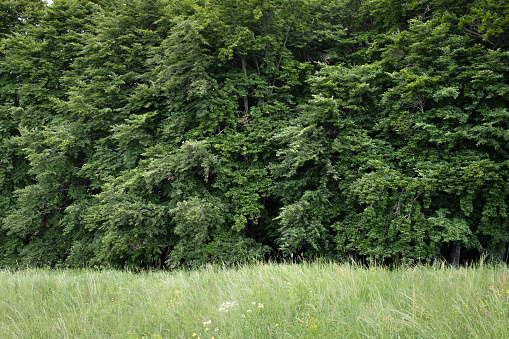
317,300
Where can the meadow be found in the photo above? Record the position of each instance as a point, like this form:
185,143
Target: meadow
308,300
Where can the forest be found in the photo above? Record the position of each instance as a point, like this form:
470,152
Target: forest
176,133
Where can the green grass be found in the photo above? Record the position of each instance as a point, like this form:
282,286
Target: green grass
319,300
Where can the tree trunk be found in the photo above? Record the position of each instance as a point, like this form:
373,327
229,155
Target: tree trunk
352,257
500,252
244,70
454,255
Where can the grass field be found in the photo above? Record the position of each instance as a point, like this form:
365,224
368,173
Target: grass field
317,300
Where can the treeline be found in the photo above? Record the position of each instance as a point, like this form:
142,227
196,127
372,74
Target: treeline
175,133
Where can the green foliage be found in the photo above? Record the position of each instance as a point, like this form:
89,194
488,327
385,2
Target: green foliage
488,19
414,143
178,133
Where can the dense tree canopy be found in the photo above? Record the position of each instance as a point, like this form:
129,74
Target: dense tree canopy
171,133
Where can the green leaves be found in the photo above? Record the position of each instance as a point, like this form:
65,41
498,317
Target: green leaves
176,133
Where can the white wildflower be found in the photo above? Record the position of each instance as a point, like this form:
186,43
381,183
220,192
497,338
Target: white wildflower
225,305
249,311
228,304
260,305
207,322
